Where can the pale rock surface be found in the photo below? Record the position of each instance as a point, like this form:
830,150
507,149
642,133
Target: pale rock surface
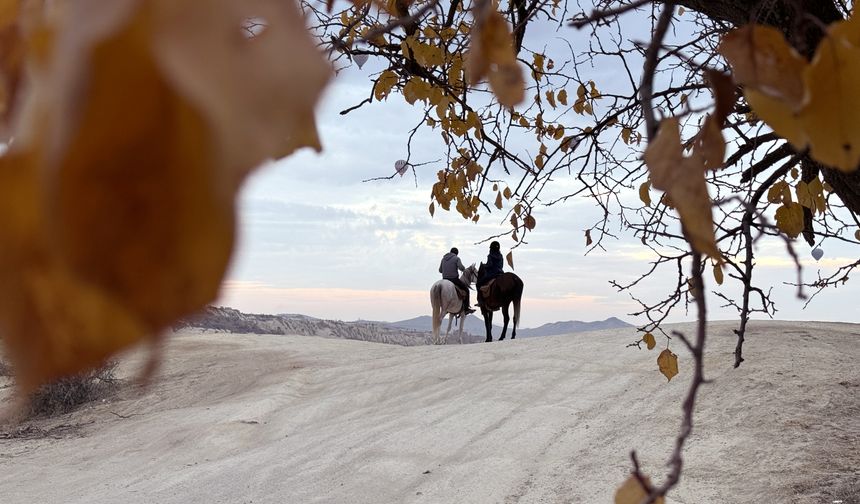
293,419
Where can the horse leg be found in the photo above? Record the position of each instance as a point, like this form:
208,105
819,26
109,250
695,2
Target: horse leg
488,323
448,331
506,319
462,323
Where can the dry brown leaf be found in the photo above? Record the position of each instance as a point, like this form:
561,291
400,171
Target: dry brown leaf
649,340
645,192
499,200
632,492
510,258
718,274
668,363
683,180
491,53
857,235
588,240
529,222
774,193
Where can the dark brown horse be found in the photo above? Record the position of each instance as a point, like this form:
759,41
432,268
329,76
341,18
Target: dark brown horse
507,289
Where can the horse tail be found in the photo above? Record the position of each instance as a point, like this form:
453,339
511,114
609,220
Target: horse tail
436,303
518,296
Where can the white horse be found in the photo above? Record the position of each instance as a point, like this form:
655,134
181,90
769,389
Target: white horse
444,299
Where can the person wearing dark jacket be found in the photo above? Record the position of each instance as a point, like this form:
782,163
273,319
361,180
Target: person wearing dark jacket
492,268
450,268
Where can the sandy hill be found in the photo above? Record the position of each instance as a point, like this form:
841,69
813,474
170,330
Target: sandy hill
291,419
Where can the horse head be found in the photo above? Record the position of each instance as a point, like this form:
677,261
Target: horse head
470,274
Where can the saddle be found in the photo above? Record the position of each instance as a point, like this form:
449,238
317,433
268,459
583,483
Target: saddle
460,292
487,288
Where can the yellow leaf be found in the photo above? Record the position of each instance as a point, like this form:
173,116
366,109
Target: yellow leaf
632,492
803,195
668,363
588,240
789,219
761,59
831,113
718,274
258,98
649,341
580,91
510,259
645,192
384,83
491,53
683,180
53,322
778,116
498,200
816,191
13,47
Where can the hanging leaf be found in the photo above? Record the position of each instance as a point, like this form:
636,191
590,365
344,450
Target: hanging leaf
529,222
811,105
762,60
499,200
507,193
774,194
718,274
491,54
649,341
668,363
857,235
432,209
789,219
645,192
510,258
683,179
588,240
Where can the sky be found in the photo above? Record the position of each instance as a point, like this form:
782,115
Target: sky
314,239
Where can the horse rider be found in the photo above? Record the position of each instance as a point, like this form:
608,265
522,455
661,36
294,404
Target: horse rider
492,268
449,268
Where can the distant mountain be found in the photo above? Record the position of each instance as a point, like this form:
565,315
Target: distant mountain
573,326
223,319
415,331
475,325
